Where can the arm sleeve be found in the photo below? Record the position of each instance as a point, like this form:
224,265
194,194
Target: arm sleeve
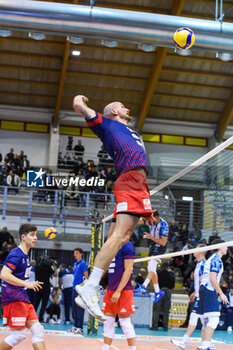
164,229
129,252
12,261
99,125
215,266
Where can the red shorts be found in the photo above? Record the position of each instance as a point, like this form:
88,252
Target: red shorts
132,194
124,306
16,315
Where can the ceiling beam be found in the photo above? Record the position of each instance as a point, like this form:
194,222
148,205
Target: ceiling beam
226,116
156,69
62,77
193,85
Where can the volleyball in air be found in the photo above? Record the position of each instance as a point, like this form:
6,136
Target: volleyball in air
184,38
50,232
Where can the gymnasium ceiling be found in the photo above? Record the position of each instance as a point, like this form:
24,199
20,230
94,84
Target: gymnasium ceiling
157,85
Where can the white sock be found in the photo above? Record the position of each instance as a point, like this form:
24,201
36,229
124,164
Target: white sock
105,346
95,276
132,347
156,288
205,344
185,338
146,282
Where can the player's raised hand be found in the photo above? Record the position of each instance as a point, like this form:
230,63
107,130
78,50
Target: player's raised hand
36,285
80,107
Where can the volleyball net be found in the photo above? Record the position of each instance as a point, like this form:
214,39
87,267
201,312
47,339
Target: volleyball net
198,197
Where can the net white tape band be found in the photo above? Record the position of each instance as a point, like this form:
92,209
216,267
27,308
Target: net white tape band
186,252
186,170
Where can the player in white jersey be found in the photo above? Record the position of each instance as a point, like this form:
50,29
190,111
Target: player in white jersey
157,239
209,291
195,315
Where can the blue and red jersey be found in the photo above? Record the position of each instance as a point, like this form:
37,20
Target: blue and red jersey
123,145
19,264
117,268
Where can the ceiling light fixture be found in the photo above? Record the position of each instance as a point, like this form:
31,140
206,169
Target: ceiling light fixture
147,47
182,52
76,53
4,33
75,39
37,36
109,43
225,56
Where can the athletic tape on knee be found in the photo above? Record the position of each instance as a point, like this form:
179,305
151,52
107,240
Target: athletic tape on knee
109,327
15,338
152,266
213,322
127,327
37,331
193,319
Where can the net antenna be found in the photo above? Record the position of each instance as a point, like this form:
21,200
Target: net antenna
186,170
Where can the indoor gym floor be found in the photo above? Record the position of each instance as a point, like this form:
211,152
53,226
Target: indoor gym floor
57,338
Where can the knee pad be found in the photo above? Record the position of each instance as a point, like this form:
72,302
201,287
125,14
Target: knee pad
15,338
127,327
152,266
213,322
193,319
37,331
109,327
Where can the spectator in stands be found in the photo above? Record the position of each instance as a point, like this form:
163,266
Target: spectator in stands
195,235
25,164
43,271
10,155
72,196
100,196
167,283
140,277
79,150
213,237
78,167
21,155
109,175
54,306
174,232
102,155
5,236
66,279
0,157
6,161
16,161
184,233
13,181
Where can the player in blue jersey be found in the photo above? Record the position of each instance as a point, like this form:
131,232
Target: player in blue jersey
118,298
194,297
18,312
209,291
157,240
131,190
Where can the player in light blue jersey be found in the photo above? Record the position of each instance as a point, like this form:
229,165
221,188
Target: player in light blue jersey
195,315
18,312
209,291
131,191
157,240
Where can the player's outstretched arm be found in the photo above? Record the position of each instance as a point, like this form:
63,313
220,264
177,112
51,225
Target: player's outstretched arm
6,275
80,107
